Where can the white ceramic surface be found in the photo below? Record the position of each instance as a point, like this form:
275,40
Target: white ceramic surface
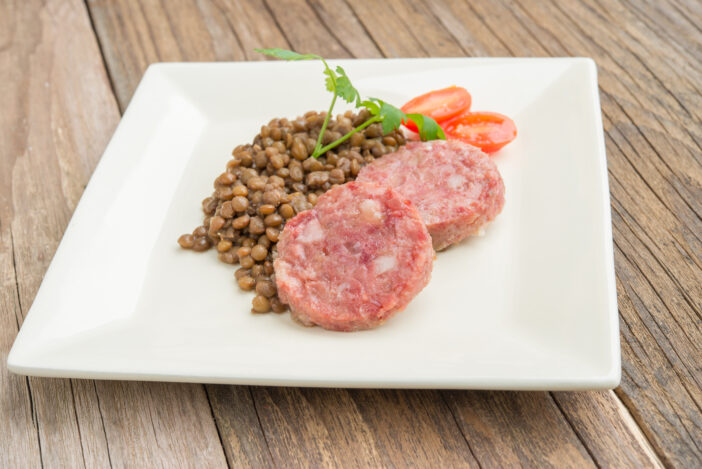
531,305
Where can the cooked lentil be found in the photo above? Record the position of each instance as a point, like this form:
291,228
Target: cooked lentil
260,304
270,181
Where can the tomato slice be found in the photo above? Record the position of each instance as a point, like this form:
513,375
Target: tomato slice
441,105
488,131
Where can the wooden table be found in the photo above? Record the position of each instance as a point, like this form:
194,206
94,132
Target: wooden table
67,72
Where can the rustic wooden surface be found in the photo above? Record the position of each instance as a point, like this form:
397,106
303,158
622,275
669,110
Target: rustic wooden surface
67,71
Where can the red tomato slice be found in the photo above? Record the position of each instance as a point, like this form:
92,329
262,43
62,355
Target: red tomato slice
440,105
488,131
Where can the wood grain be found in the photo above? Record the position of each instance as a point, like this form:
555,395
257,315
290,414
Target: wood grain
159,424
399,29
338,16
51,132
93,439
178,31
237,421
58,114
19,442
607,428
498,424
360,428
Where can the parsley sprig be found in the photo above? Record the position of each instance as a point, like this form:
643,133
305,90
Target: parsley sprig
339,84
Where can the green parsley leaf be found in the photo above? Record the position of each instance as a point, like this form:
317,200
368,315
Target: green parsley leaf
392,116
373,108
428,128
331,80
345,89
285,54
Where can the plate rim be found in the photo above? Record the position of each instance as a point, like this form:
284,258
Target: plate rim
19,362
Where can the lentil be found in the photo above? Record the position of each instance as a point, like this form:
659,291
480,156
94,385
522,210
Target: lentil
241,272
241,222
265,288
260,304
256,270
186,241
246,261
277,306
243,251
224,245
259,252
264,241
272,234
240,190
268,268
226,257
266,209
286,211
273,220
246,283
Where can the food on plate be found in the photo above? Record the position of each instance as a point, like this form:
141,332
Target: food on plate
339,84
450,108
364,252
355,259
271,180
456,187
488,131
441,105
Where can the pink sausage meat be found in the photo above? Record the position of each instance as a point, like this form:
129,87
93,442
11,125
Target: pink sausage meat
456,187
355,259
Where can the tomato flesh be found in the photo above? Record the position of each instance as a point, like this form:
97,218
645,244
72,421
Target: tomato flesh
441,105
488,131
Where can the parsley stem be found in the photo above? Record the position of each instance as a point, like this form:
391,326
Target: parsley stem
333,144
318,147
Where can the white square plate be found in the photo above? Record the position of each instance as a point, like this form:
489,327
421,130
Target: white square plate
531,305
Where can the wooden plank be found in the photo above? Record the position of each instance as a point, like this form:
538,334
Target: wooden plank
502,30
19,442
58,116
360,428
159,40
304,429
400,29
602,421
309,34
159,424
673,27
517,429
93,439
45,156
238,425
416,425
134,34
337,16
467,27
661,400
